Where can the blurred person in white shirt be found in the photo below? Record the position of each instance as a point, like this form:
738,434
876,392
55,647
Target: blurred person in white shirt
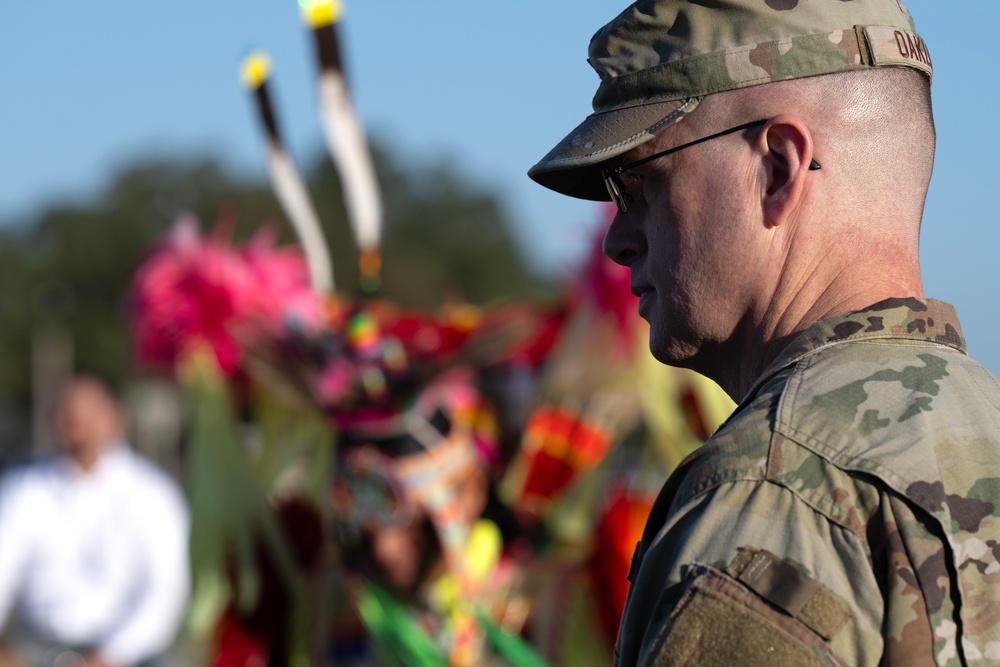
93,545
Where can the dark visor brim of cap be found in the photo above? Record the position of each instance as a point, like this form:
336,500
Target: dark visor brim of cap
573,167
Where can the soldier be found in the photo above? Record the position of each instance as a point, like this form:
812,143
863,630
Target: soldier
770,161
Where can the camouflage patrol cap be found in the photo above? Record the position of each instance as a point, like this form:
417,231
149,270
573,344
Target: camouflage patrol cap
659,58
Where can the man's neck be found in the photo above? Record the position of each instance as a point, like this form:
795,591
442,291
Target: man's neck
86,460
763,343
737,365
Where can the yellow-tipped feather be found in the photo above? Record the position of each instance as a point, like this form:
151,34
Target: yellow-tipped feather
319,13
255,69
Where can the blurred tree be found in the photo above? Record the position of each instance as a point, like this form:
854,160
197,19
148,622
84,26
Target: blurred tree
70,267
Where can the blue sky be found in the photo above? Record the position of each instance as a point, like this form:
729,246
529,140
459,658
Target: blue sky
488,86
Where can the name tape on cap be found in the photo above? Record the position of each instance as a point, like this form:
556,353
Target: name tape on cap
895,46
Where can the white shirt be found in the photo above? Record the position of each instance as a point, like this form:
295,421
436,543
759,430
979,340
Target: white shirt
97,558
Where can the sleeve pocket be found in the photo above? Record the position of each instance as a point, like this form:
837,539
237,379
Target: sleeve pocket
719,621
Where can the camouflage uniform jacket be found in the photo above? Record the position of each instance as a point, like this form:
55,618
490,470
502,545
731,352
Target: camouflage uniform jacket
847,513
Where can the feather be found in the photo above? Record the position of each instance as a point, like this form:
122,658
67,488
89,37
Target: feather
288,184
291,192
345,139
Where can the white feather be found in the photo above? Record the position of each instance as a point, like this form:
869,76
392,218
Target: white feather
345,139
294,197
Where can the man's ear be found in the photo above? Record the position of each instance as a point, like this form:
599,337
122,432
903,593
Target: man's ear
786,147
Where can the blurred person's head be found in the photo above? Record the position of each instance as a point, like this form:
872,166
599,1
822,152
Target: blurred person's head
385,534
88,420
403,557
409,490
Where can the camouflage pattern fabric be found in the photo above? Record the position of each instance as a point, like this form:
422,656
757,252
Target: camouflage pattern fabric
656,50
659,58
848,512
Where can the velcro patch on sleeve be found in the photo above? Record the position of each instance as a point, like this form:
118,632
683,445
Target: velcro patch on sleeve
719,622
895,46
791,590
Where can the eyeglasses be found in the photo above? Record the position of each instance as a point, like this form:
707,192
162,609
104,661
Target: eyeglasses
616,188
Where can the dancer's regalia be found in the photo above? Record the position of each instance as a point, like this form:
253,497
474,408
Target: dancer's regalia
354,465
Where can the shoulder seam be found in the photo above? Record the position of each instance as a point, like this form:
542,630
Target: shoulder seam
679,509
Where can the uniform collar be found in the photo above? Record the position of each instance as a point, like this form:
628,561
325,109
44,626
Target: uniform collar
898,318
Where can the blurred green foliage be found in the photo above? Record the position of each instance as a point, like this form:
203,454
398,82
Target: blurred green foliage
69,268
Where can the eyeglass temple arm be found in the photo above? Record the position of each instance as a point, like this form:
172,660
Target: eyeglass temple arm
813,164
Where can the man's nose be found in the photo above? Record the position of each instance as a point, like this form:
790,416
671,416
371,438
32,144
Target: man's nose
623,242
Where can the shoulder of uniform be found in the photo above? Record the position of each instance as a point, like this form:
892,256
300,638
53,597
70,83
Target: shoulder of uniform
754,446
737,452
878,408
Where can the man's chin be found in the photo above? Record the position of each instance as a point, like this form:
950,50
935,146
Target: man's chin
672,351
